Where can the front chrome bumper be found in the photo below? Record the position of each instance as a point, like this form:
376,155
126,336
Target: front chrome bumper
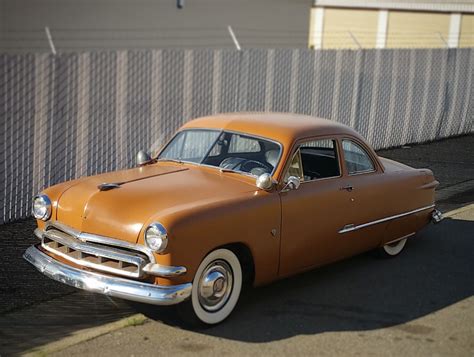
107,285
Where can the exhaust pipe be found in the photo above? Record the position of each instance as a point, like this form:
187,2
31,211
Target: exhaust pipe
436,216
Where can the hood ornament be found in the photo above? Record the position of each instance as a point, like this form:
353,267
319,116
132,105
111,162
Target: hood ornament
108,186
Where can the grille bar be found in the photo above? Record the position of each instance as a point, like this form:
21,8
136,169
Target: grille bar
103,258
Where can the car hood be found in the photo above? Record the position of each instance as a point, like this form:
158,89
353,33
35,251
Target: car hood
142,193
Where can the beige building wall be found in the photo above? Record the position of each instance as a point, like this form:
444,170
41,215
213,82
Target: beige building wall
417,29
466,38
339,23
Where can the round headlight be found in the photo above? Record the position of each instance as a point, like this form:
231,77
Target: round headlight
156,237
41,207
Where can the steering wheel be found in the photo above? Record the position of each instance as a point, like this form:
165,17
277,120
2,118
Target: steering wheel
314,174
249,165
231,163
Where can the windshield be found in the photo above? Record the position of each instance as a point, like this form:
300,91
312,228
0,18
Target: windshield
225,150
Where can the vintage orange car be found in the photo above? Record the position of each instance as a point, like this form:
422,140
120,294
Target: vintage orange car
230,200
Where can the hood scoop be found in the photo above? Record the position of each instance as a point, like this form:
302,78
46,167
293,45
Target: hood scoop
108,186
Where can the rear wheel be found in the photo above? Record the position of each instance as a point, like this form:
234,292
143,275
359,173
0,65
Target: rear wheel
216,289
392,249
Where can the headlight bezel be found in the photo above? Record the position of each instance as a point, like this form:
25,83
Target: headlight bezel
154,233
46,204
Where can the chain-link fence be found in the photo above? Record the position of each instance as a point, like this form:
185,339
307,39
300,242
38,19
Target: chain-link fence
78,114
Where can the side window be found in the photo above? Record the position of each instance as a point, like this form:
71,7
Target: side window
356,158
320,159
241,144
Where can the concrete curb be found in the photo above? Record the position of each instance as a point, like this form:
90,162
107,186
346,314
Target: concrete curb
85,335
459,210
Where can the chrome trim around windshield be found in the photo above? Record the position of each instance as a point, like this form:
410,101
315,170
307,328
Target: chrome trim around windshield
220,131
352,227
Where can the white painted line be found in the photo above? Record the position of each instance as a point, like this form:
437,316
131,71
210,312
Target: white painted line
316,28
382,26
232,34
454,30
50,40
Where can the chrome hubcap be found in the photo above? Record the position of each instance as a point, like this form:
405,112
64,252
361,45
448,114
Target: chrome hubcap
215,285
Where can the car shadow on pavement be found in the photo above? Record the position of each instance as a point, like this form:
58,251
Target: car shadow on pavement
361,293
39,324
35,310
358,294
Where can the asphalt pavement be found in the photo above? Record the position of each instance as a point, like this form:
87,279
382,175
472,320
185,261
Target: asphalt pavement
418,304
421,302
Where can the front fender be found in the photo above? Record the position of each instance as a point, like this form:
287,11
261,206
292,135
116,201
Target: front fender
54,193
253,219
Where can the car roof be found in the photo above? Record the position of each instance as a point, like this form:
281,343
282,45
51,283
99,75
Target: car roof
282,127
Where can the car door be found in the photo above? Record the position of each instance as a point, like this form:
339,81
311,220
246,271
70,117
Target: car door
363,185
313,214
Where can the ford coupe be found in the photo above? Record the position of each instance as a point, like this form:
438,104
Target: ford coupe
230,200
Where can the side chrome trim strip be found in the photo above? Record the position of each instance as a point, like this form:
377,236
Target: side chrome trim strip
352,227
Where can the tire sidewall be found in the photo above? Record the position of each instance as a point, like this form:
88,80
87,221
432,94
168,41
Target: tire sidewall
216,317
395,250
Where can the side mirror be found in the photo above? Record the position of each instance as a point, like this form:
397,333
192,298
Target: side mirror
265,182
143,158
292,184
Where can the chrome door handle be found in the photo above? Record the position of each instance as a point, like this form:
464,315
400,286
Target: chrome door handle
348,188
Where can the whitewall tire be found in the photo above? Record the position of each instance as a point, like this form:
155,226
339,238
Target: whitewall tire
393,249
216,289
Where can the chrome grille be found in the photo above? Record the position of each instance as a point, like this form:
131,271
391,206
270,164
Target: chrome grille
98,256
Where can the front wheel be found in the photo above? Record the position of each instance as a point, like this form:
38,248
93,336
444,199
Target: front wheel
216,289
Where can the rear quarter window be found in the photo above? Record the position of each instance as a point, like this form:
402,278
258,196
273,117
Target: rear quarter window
356,158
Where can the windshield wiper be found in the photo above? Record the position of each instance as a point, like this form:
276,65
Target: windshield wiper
221,169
